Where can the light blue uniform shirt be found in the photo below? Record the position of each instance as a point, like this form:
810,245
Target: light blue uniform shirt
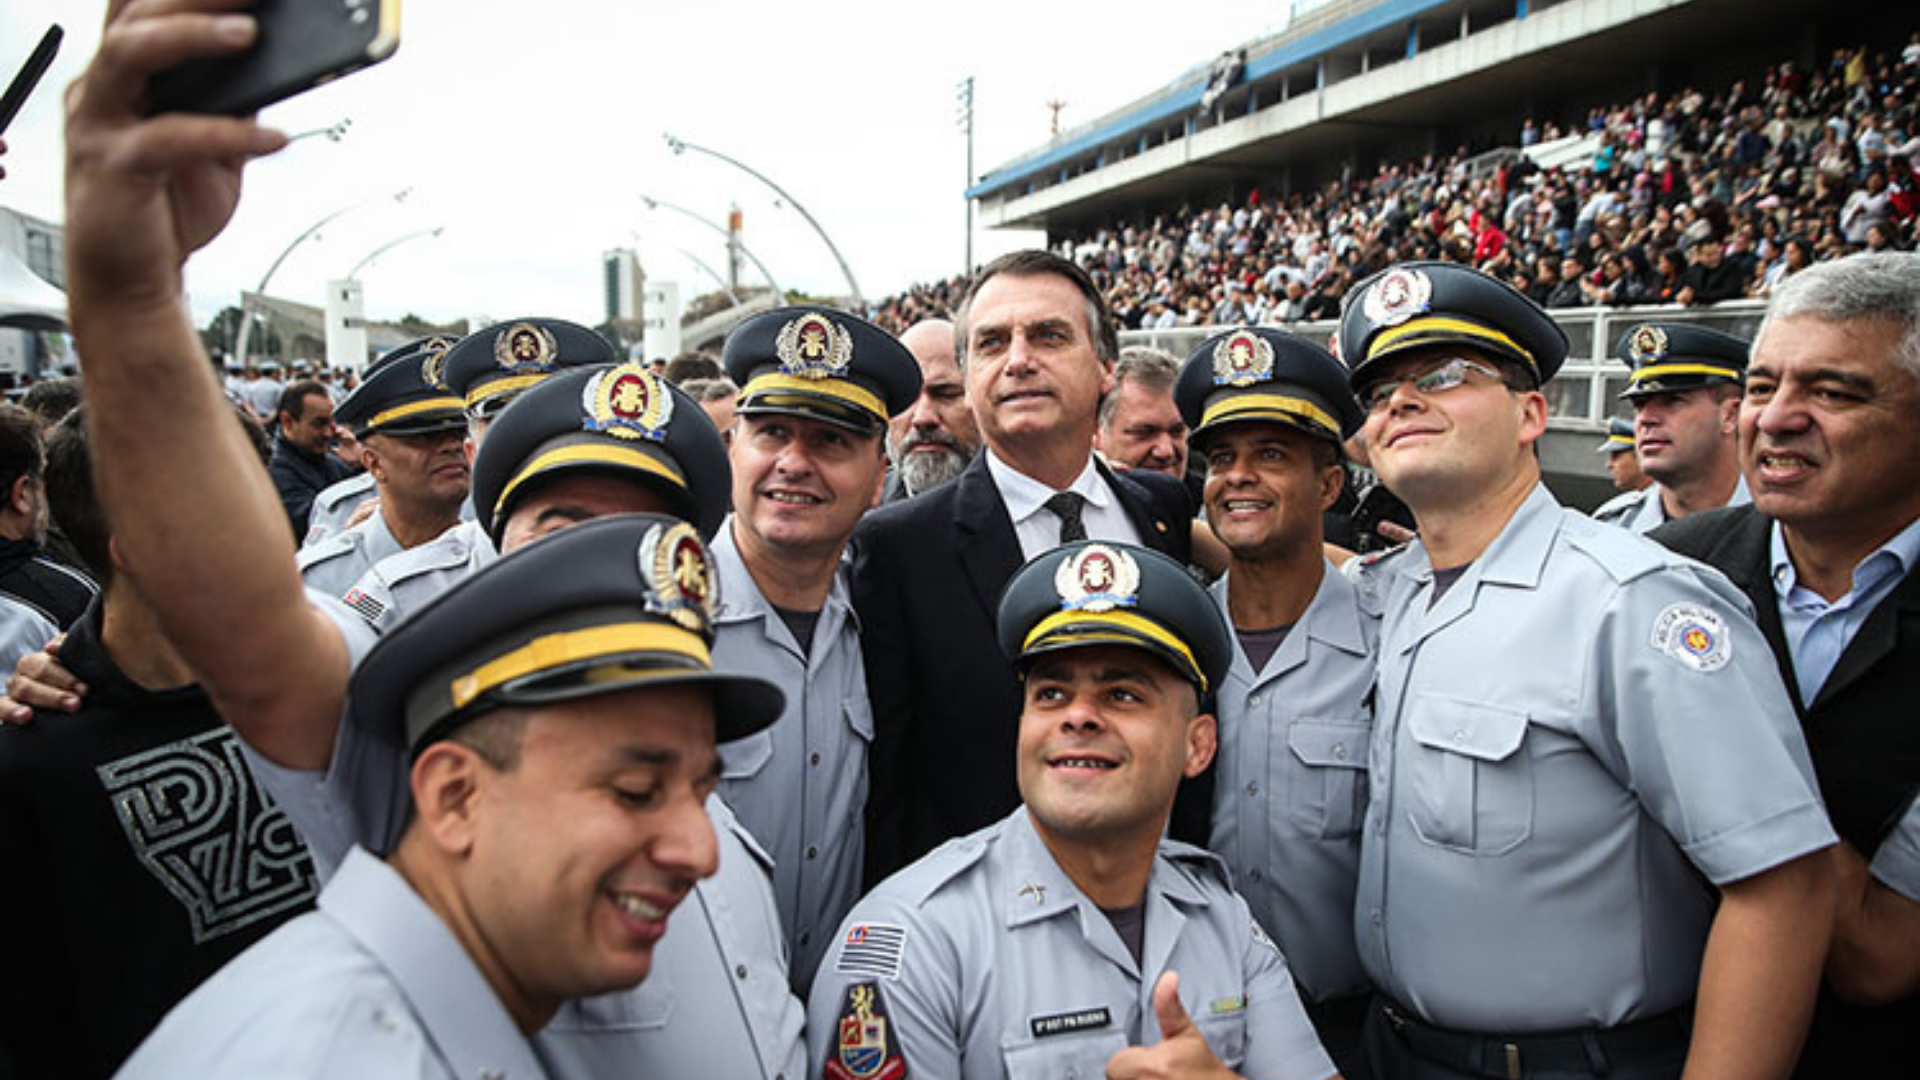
406,581
1290,785
334,564
1642,511
1897,863
988,963
1818,632
717,999
23,629
372,984
800,786
1581,728
335,504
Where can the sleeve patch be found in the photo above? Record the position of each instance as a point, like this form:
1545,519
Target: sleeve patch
864,1046
872,950
1693,635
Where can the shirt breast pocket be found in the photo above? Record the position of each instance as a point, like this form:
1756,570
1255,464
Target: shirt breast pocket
1079,1056
1470,777
1326,770
744,759
1226,1036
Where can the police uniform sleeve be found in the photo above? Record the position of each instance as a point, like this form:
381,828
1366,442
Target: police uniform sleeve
1693,717
1897,863
887,989
363,785
1281,1043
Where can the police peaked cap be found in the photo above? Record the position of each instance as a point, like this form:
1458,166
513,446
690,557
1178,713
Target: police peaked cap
1669,357
823,364
1254,373
1417,304
402,394
616,603
489,367
1619,437
617,418
1098,593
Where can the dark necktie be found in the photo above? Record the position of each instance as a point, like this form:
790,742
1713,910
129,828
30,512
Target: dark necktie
1067,506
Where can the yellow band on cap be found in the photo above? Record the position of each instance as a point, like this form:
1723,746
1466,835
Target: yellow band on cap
1655,371
838,389
1441,324
511,384
573,646
1120,620
413,408
586,454
1624,442
1298,408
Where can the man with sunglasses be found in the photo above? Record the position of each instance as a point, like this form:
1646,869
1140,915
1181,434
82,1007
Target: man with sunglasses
1592,846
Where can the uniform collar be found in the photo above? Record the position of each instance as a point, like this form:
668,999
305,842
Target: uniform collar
1332,618
1038,889
458,1008
742,601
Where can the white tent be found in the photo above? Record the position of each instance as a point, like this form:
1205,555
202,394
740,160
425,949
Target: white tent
26,302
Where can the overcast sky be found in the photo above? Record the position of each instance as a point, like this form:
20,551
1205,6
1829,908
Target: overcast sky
530,130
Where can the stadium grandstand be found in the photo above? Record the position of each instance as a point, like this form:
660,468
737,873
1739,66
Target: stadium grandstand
1615,159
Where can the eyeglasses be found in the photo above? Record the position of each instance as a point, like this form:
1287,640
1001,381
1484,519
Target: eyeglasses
1439,380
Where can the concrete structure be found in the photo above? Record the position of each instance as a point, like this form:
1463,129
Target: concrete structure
660,326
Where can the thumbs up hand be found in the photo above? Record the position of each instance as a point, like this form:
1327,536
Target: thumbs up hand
1182,1052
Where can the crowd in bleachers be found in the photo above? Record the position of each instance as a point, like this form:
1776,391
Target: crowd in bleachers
1692,197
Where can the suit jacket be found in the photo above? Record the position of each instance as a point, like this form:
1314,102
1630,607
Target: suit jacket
1865,739
927,576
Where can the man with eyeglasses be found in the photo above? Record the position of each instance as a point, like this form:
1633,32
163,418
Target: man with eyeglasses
1593,842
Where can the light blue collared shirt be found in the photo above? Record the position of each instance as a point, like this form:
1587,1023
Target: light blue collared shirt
1037,527
1818,632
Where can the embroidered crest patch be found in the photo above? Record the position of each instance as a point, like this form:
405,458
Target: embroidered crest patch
1097,578
1399,295
1242,360
1693,635
873,950
865,1047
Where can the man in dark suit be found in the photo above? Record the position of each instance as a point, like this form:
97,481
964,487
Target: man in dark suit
1827,553
1036,346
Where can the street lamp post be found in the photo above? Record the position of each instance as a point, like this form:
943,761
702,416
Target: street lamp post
659,204
389,246
680,146
246,327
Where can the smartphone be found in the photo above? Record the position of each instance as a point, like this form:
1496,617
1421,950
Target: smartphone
29,76
302,44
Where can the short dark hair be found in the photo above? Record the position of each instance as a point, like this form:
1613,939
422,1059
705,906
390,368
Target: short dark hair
293,398
70,494
691,365
52,399
1033,263
20,450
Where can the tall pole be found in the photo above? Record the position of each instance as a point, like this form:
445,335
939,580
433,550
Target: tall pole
680,146
660,204
246,326
390,245
966,125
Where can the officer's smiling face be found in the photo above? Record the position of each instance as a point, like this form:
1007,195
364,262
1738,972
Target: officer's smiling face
1266,488
1106,734
800,485
575,852
1450,447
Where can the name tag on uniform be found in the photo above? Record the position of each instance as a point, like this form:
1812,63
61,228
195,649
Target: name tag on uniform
1067,1023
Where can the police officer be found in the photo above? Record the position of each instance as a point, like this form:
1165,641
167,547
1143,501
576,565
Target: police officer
817,388
1685,391
1623,465
334,507
1268,411
487,371
1579,739
1071,939
411,433
561,729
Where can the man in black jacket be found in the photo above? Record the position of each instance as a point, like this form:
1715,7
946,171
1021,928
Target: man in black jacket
301,466
55,592
1827,553
1036,345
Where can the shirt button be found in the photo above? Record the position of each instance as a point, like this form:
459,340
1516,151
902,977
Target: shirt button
1340,751
1374,917
740,972
806,938
1459,737
1255,875
813,852
1253,699
1253,789
816,757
